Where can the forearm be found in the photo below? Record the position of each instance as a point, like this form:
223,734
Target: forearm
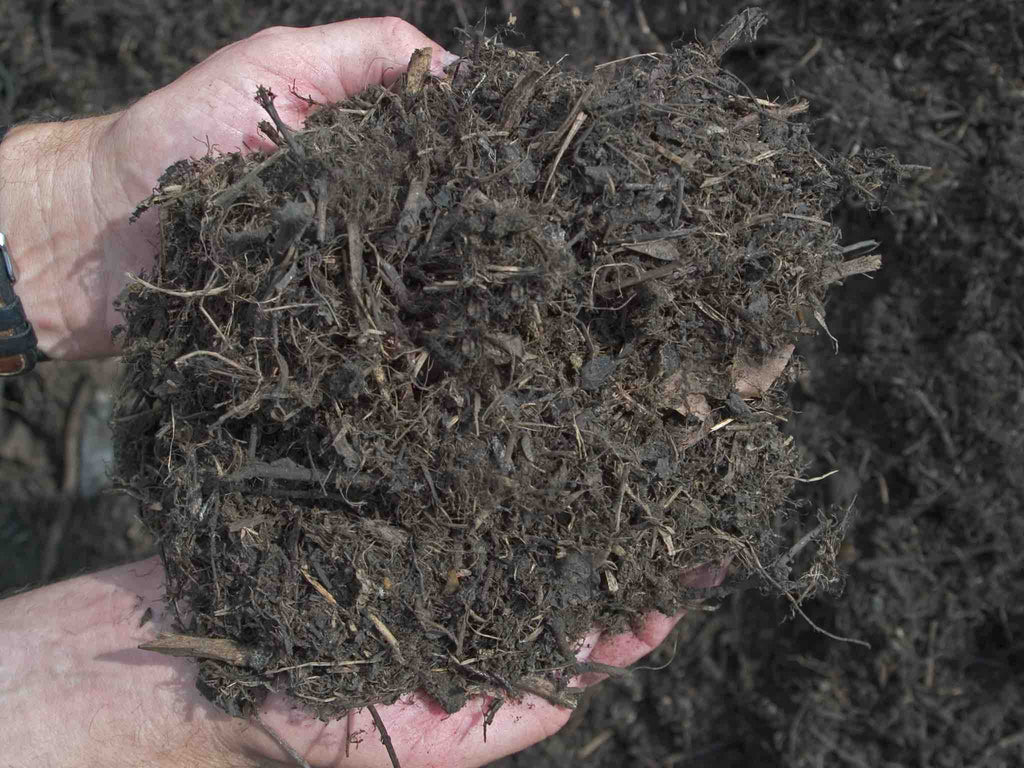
76,691
62,230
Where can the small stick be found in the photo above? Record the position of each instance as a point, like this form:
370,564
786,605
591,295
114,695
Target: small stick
741,27
388,636
265,98
318,586
226,197
557,628
565,145
355,272
180,294
210,353
320,188
545,690
284,745
650,274
219,649
602,669
384,736
806,539
419,68
283,469
857,266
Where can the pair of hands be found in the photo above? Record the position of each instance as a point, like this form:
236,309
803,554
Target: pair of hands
68,652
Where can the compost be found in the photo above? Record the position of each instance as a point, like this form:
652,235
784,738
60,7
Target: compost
465,367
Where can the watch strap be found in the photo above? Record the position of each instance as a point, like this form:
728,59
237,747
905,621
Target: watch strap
18,351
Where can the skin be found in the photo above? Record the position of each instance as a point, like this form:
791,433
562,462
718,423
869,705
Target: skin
75,184
74,688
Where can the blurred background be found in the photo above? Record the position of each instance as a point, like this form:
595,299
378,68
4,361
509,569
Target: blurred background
921,410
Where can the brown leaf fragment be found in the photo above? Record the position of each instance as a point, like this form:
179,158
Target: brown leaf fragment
419,69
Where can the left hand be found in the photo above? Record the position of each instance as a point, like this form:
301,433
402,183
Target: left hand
76,691
425,735
67,189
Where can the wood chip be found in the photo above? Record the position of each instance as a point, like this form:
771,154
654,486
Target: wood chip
419,69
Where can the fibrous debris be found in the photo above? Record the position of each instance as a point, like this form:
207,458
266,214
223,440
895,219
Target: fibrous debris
464,356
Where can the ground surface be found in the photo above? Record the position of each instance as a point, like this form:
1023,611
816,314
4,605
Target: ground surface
922,408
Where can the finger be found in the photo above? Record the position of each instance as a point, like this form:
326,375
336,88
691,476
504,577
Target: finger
336,61
212,105
422,733
621,650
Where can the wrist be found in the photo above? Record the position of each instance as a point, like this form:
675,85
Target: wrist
75,690
58,214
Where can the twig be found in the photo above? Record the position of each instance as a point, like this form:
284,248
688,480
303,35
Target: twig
796,606
210,353
557,629
597,667
940,424
265,98
667,234
328,664
219,649
613,62
576,123
320,190
651,274
388,636
284,745
416,201
226,197
804,540
283,469
743,26
180,294
384,736
326,595
546,690
623,484
355,273
852,267
397,286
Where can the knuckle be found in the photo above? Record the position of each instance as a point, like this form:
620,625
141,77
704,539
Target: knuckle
274,31
397,27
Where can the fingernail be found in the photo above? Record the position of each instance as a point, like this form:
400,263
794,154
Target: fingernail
448,58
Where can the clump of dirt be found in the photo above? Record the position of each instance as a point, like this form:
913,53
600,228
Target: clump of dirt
466,367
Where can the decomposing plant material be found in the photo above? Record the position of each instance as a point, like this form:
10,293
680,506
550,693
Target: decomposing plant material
468,360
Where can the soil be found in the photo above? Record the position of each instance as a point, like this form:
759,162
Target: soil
921,408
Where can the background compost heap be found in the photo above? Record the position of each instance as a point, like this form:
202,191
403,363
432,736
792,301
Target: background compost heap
452,376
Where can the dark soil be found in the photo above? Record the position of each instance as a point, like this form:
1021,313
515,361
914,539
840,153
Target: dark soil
920,410
457,372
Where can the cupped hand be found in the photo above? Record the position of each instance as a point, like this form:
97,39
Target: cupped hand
76,690
74,186
70,188
423,734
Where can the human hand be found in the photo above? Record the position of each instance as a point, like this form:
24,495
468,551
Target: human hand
67,190
71,188
423,734
75,690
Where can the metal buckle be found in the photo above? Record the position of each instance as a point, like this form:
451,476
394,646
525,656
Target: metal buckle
8,261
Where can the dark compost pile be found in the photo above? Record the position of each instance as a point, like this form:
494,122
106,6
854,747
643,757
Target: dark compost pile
463,369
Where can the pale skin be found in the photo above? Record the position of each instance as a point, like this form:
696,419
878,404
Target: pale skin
74,688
